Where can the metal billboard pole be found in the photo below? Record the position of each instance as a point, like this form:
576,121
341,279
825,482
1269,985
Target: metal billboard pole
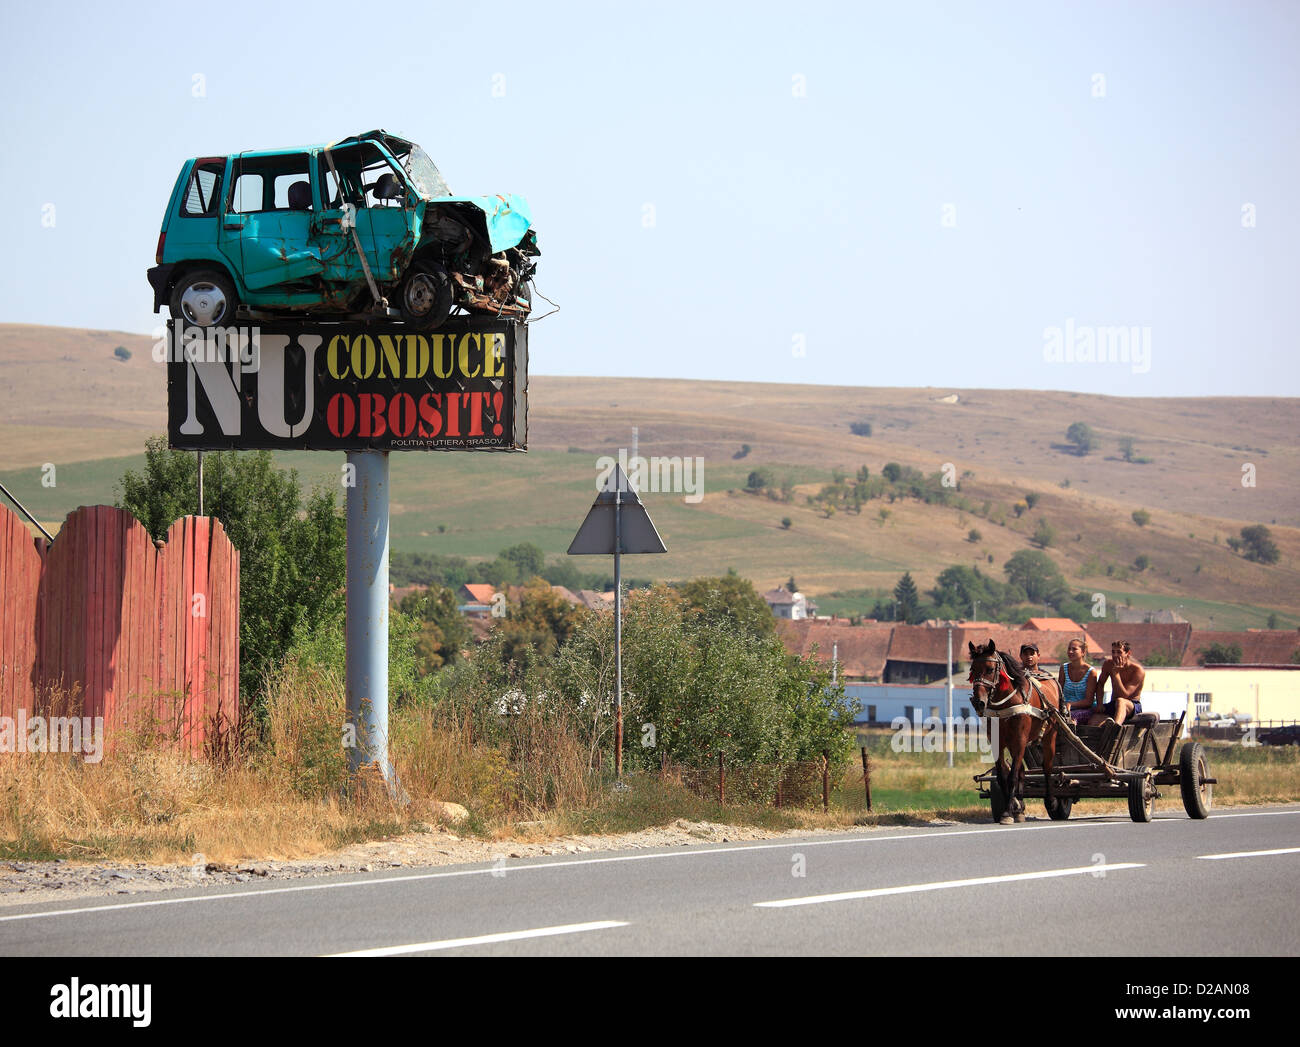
367,611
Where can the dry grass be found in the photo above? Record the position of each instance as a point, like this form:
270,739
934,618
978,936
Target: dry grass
292,798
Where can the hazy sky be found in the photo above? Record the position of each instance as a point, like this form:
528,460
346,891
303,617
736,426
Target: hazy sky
862,194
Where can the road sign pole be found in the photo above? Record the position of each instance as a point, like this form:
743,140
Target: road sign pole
367,611
618,631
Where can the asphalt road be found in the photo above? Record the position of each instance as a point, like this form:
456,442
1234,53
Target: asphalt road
1097,885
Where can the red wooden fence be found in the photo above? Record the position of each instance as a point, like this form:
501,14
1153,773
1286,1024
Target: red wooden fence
145,633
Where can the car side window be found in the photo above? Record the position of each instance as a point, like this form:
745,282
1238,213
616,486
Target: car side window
203,191
361,170
271,183
247,196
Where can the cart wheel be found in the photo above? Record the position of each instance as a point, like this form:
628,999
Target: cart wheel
1193,769
1141,796
1059,808
997,801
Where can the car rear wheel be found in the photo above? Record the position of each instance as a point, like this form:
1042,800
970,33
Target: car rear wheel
425,300
204,298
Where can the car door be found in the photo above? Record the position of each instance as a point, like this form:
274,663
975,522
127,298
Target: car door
272,199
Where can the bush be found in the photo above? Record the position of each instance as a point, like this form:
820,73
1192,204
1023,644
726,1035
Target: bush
1141,517
860,428
1044,534
1257,545
973,536
786,523
1083,437
122,353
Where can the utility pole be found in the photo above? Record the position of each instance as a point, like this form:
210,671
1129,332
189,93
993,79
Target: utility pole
948,732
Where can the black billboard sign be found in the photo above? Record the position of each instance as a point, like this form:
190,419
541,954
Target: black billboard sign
348,386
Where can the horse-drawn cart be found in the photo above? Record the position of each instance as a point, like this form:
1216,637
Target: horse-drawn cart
1114,762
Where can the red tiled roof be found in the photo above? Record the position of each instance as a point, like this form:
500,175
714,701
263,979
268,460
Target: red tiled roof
919,643
1169,639
1053,625
480,591
1258,646
861,648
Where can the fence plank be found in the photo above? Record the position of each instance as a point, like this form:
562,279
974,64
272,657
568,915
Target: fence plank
104,611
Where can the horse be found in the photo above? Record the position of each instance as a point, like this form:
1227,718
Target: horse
1003,690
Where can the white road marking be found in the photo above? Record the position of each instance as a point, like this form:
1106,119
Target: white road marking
484,939
943,885
1247,854
694,852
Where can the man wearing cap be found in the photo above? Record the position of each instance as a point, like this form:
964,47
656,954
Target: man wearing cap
1029,658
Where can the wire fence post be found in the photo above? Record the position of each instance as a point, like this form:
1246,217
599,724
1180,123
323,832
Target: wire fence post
866,776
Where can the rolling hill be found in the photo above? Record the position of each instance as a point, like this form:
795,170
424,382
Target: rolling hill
69,401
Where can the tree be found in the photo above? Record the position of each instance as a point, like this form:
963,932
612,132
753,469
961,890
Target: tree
538,625
907,597
122,353
1141,517
1126,445
527,559
1031,499
786,523
1257,544
1044,534
729,599
1219,654
1142,562
892,471
973,535
860,428
1035,574
1082,436
759,480
291,553
443,630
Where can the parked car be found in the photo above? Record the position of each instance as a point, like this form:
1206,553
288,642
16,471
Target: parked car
1287,735
356,227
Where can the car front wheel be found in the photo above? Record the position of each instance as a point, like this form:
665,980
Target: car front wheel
204,298
425,296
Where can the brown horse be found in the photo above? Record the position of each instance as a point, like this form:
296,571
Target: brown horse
1003,690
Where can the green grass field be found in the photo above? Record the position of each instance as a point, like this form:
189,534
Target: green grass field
475,505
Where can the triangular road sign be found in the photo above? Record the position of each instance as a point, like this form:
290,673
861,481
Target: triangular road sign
596,535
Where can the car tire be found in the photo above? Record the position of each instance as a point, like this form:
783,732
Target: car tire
1193,769
204,298
424,299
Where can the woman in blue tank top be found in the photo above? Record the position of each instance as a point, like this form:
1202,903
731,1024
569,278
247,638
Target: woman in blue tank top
1078,682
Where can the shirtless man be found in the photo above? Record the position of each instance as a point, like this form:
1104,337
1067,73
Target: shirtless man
1126,679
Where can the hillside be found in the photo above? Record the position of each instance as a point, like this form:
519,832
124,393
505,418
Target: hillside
68,401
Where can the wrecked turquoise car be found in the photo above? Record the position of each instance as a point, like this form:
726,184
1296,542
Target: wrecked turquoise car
359,228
